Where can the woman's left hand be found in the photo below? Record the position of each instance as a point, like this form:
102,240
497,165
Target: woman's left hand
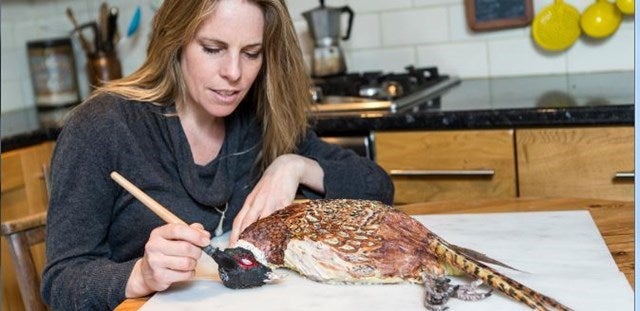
277,189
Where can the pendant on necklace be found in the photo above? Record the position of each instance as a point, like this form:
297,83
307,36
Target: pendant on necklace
219,231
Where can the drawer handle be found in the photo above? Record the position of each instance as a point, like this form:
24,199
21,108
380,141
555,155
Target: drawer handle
481,172
625,175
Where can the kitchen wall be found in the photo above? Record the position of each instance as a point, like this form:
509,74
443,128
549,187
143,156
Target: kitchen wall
392,34
387,35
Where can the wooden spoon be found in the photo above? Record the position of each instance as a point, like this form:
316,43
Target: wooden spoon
86,46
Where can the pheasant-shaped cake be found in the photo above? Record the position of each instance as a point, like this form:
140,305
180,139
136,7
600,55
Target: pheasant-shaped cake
366,242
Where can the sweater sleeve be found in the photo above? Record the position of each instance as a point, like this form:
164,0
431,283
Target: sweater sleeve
79,274
346,174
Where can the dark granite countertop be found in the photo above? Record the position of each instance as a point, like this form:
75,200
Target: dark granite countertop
593,99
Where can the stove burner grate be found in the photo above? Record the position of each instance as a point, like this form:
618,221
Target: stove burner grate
379,85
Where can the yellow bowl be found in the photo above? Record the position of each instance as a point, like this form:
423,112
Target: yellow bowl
601,19
556,27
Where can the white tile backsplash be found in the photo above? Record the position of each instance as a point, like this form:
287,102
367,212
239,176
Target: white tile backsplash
12,95
6,33
465,59
378,5
419,3
10,66
627,22
415,26
518,56
613,53
392,59
365,32
387,35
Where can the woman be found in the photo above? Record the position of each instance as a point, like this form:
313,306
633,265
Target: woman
213,126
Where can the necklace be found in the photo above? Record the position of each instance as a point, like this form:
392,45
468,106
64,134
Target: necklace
219,231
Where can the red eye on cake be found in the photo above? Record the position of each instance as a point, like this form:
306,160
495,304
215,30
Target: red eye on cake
246,263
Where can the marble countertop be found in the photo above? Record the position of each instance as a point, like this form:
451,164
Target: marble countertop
515,102
570,229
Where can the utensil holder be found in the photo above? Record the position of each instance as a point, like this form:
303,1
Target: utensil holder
103,67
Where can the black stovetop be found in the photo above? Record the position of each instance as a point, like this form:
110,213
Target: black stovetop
380,85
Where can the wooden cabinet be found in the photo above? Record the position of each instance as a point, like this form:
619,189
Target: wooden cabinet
592,162
23,193
436,165
579,162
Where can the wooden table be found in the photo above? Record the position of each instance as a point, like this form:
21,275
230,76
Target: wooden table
614,219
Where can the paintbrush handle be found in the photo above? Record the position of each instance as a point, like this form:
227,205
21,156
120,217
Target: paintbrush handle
156,207
149,202
210,250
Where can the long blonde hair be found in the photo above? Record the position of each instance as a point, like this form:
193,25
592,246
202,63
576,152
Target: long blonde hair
281,90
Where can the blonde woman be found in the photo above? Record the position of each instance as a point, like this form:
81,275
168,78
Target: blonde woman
214,126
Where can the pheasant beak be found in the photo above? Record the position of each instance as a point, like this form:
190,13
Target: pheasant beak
273,277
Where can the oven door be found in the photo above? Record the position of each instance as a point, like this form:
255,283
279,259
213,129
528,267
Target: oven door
362,145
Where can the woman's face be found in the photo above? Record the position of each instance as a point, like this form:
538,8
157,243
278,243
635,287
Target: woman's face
221,63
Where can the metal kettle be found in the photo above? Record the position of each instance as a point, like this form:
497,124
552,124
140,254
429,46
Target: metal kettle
325,28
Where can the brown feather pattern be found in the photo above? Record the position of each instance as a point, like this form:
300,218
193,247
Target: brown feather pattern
377,241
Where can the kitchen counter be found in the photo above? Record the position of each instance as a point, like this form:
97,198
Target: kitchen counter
614,220
515,102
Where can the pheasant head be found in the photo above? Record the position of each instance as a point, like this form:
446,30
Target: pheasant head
239,268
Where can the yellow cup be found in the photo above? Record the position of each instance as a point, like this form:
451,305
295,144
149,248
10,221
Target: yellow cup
601,19
626,6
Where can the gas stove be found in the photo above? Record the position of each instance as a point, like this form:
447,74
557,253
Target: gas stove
378,92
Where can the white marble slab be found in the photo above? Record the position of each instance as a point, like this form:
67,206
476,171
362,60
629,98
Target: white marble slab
561,254
535,242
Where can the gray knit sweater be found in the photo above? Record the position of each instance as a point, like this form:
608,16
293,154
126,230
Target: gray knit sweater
96,230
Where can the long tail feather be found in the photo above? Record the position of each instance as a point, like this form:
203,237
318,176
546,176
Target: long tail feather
480,256
493,278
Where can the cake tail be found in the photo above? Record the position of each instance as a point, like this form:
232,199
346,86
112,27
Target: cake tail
519,292
475,255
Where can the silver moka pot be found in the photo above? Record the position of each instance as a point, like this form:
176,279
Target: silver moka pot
324,26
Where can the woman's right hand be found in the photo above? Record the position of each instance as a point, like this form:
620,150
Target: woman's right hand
170,256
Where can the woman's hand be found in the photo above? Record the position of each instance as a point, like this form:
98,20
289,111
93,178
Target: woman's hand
277,189
170,256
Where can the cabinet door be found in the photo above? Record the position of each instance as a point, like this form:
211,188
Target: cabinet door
23,193
576,162
435,165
